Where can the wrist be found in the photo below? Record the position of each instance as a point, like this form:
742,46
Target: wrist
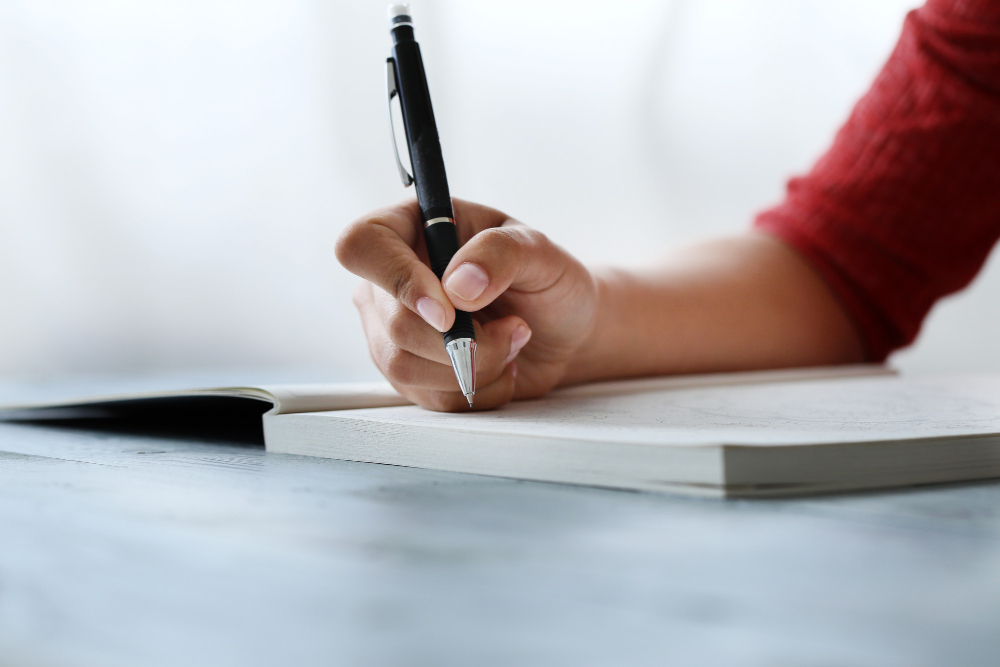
594,358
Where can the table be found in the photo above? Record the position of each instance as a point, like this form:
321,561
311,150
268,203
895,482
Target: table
121,549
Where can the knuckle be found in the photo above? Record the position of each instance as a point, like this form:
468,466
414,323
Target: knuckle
400,285
501,237
513,240
529,236
399,327
348,243
397,366
379,349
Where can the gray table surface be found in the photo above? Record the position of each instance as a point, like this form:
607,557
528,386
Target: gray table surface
133,550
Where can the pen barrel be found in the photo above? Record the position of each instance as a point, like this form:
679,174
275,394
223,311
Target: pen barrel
462,328
442,244
421,131
429,175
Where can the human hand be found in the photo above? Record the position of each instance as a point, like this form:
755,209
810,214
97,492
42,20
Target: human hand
531,301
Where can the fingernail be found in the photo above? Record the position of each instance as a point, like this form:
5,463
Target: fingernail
432,312
513,370
518,339
468,281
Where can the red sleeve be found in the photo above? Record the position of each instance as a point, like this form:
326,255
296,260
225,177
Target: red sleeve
905,206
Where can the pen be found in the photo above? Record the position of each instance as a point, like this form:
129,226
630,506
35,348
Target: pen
405,78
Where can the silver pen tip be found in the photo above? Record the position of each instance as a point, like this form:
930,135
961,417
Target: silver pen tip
462,352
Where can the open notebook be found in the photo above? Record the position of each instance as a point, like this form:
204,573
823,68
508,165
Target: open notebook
735,435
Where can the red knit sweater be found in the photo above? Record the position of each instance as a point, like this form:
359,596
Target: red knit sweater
905,206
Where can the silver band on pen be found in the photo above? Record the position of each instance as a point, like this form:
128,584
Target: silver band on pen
434,221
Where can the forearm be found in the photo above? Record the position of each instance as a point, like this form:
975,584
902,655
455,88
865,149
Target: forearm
743,303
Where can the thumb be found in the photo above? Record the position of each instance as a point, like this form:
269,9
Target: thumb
511,256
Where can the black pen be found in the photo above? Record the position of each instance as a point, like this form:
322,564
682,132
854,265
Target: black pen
405,78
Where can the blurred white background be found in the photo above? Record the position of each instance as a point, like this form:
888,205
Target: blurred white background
173,174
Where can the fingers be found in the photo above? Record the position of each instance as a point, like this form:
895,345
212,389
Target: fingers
492,396
404,315
501,258
380,248
412,355
406,331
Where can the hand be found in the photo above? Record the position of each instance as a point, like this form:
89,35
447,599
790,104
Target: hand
531,301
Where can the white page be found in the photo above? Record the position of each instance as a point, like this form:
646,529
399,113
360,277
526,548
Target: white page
828,411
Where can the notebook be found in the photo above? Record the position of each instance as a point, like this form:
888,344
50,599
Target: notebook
772,433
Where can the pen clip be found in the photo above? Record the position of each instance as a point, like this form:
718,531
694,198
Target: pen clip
391,91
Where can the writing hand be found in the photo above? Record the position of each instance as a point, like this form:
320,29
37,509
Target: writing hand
531,301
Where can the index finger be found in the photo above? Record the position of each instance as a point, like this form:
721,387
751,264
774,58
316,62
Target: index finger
381,248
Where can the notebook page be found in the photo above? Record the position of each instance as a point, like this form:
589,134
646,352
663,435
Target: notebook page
814,412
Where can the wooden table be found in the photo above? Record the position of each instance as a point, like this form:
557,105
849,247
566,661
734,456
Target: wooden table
119,549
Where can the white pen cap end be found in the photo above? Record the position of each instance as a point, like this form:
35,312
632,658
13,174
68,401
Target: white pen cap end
398,10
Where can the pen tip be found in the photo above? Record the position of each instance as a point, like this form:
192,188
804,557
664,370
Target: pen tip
468,397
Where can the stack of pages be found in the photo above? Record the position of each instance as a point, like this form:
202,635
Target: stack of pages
732,435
